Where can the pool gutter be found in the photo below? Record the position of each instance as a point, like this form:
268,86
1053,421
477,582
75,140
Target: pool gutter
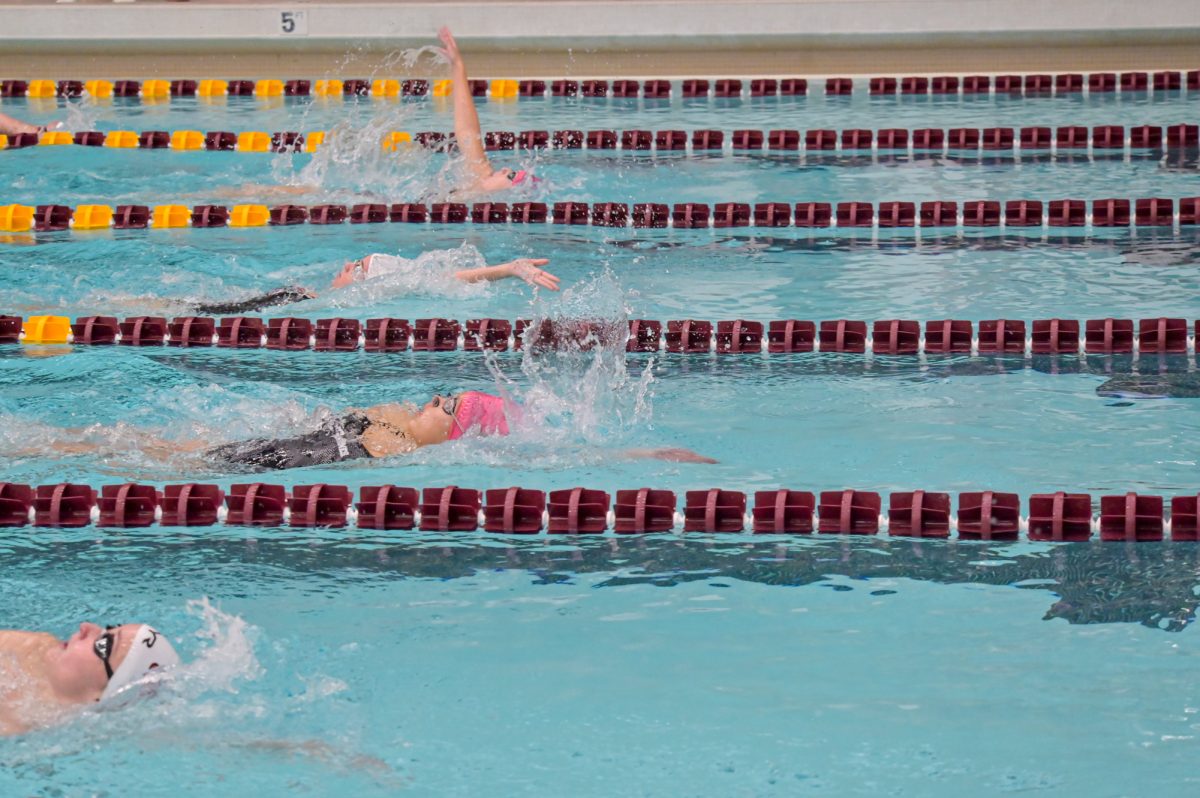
572,38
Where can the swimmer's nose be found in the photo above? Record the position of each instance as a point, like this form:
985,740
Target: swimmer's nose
87,630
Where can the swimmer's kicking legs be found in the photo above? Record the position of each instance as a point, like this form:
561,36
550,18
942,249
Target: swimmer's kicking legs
11,126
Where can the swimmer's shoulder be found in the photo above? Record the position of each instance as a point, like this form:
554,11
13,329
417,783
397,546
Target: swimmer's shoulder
386,440
392,412
17,641
10,724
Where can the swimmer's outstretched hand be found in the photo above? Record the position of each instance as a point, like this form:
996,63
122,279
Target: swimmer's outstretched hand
529,270
671,454
450,51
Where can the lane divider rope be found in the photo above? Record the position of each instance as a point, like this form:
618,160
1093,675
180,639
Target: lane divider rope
1020,214
1010,85
982,515
994,141
1066,337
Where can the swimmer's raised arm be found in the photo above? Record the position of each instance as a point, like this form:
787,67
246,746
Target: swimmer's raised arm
467,133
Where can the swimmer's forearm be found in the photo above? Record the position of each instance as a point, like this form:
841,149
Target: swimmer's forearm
484,274
671,455
467,132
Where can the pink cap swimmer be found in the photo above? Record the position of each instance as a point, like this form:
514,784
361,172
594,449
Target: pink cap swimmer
480,410
522,175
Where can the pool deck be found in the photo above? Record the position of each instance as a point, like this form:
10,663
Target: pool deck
581,38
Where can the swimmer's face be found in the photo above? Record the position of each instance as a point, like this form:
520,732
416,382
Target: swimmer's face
352,271
77,669
432,424
498,180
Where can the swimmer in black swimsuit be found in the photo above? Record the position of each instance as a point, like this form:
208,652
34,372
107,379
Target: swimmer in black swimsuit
336,440
279,296
378,431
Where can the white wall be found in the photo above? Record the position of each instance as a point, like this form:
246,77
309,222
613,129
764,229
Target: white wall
648,24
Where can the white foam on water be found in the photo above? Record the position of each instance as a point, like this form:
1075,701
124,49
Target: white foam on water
351,165
81,116
576,388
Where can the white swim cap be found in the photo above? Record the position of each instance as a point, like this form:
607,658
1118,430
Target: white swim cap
150,652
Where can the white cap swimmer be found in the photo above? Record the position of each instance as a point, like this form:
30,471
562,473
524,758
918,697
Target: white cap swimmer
150,653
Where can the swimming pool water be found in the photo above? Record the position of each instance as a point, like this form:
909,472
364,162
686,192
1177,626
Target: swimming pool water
356,168
657,665
652,666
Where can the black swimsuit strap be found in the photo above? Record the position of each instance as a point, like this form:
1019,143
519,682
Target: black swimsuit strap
354,424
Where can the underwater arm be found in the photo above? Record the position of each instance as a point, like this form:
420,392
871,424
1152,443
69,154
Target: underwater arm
337,759
672,455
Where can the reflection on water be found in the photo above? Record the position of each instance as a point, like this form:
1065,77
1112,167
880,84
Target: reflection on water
1151,247
1147,376
1156,585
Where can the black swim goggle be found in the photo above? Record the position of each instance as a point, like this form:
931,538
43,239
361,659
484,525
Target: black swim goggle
448,406
103,647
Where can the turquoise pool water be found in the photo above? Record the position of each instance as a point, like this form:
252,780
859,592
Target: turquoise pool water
346,662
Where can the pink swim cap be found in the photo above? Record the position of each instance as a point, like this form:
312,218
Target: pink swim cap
523,175
481,411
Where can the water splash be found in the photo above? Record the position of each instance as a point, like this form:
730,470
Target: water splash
351,165
578,384
81,116
226,660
